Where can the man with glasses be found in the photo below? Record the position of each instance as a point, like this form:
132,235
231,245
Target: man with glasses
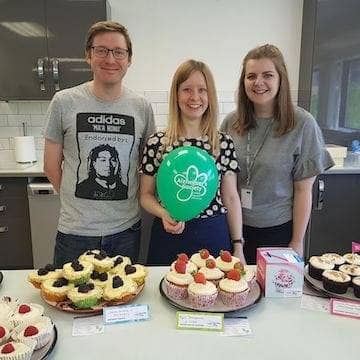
99,114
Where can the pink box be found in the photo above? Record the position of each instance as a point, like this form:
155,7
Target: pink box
280,271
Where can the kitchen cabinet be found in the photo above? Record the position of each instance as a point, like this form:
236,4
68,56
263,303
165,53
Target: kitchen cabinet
15,241
42,45
335,218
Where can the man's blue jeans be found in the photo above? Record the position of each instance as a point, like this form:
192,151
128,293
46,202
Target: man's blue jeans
127,243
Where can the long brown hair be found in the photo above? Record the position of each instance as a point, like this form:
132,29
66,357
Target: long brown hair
283,109
209,119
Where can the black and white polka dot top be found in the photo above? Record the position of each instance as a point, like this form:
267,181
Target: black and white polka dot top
226,161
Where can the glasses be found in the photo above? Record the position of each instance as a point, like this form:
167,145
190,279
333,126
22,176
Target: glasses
103,52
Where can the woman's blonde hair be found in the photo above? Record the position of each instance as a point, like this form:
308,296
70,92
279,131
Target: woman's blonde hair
209,118
283,110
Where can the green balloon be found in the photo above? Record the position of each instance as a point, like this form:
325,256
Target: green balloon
186,182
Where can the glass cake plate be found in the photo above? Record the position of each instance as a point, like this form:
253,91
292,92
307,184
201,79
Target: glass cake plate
252,299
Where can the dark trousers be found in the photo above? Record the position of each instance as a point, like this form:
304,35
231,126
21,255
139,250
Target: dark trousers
255,237
127,243
209,233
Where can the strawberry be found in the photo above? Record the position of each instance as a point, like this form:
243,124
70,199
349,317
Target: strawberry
2,332
200,278
23,309
180,266
183,257
204,253
225,256
210,263
30,331
233,275
240,268
7,348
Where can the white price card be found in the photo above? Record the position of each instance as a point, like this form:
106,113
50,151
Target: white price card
128,313
345,308
236,327
87,325
186,320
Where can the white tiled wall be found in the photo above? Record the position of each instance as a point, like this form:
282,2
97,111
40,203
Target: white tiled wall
14,114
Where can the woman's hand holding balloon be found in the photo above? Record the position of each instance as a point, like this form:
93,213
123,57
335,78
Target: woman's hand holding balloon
170,225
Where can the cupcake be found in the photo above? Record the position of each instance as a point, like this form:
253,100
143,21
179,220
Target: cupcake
334,258
317,265
135,272
202,293
99,259
5,329
119,289
78,271
250,276
190,266
356,286
36,277
336,281
211,272
26,313
233,290
119,263
199,258
225,261
99,278
55,290
177,281
85,295
7,307
350,269
352,258
39,330
15,350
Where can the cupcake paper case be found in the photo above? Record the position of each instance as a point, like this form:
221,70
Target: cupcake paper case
202,293
15,350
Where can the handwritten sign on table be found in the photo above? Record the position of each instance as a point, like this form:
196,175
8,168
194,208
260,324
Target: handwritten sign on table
186,320
128,313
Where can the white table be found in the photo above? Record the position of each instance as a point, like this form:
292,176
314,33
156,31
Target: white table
281,330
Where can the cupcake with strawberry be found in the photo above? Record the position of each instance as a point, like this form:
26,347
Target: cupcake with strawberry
177,281
211,272
5,329
225,261
234,289
26,313
16,350
190,266
199,258
246,272
202,293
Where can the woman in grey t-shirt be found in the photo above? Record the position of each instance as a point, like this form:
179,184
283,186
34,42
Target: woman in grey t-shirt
280,151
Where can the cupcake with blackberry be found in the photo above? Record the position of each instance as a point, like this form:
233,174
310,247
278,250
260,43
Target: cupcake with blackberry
202,293
336,281
233,290
119,263
99,278
26,313
317,265
225,261
334,258
352,258
199,258
211,272
39,330
55,290
119,289
36,277
356,286
78,271
135,272
85,296
177,281
190,266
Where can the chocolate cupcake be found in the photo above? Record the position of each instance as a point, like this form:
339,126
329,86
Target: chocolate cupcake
351,270
356,286
317,265
336,281
334,258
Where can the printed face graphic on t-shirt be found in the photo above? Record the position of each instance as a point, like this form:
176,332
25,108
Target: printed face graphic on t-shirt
105,142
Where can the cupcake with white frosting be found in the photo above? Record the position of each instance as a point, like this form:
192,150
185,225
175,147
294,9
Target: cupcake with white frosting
211,272
16,350
26,313
177,281
233,290
190,266
225,261
334,258
199,258
202,293
5,329
317,265
352,258
336,281
350,269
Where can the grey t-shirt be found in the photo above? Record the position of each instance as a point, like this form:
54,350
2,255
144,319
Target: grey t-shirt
101,142
297,155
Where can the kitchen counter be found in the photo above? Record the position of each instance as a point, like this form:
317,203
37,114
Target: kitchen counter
281,330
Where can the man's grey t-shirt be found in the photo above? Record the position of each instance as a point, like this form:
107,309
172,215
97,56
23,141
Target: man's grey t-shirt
297,155
92,131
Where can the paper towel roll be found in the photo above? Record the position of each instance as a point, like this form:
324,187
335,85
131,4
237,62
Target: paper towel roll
24,149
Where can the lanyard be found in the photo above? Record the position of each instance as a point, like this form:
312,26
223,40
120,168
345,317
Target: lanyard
250,164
